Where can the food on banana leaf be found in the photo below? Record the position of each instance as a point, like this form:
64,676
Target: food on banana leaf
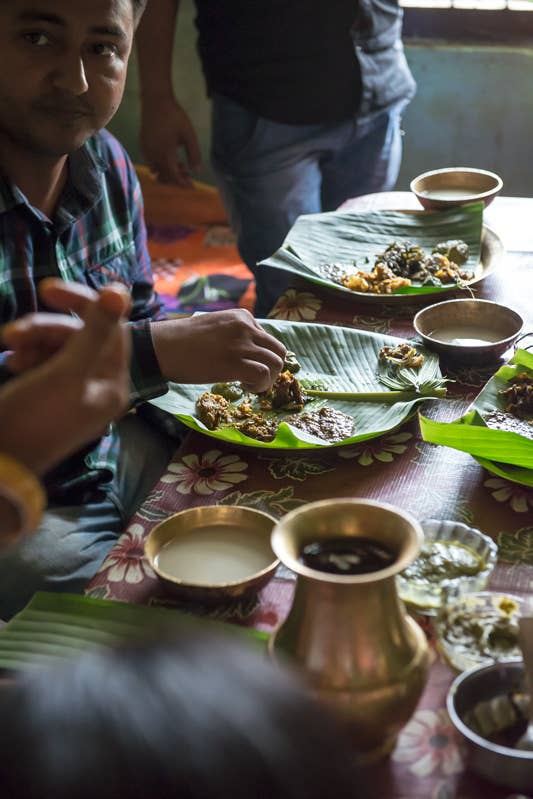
327,423
403,263
402,258
455,249
381,280
518,414
519,396
285,394
502,420
291,364
403,355
256,426
231,391
212,409
259,415
439,267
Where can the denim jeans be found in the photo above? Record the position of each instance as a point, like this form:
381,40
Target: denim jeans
269,173
72,541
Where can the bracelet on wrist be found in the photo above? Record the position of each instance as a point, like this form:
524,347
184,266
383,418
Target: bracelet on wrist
20,486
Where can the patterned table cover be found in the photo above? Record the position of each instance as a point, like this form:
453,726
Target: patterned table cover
429,481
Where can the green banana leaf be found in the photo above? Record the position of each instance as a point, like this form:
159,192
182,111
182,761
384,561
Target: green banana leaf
341,358
347,237
54,626
507,454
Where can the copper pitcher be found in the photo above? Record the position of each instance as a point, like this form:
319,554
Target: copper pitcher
350,634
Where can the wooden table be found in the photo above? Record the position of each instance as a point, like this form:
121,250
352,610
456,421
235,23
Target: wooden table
430,481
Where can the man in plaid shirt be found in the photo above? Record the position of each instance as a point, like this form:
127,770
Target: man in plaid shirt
70,206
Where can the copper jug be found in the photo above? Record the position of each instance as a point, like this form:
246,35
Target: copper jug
350,634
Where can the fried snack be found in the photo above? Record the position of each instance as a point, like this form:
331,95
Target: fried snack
519,396
402,258
404,355
443,269
381,280
285,394
212,410
456,250
256,426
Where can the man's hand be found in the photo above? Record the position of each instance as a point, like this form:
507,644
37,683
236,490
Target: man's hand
61,404
165,130
34,338
219,346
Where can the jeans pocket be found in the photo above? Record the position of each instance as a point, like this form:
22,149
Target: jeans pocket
386,77
234,130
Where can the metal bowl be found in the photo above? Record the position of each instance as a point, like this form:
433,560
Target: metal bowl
480,628
503,765
472,331
426,597
458,185
213,553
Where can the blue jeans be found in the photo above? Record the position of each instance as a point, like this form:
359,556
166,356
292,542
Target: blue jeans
72,541
269,173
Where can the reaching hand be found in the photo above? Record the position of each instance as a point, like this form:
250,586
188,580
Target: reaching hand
81,381
212,347
165,129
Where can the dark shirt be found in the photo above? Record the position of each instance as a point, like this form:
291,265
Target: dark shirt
290,61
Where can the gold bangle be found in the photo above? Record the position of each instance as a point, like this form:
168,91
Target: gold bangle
23,489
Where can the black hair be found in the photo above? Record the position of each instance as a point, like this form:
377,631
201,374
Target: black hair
198,718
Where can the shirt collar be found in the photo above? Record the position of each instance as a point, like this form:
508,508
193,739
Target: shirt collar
82,191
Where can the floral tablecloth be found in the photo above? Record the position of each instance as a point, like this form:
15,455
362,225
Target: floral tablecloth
430,481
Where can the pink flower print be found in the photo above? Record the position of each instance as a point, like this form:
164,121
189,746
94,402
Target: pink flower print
381,449
206,474
519,498
126,562
427,744
296,306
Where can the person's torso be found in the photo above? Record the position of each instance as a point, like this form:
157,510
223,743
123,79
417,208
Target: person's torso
291,61
90,240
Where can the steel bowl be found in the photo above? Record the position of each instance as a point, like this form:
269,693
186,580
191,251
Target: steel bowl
503,765
471,331
213,553
458,185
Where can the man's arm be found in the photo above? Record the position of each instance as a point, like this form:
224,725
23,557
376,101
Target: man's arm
165,126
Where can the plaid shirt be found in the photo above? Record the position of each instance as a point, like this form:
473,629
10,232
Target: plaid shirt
96,236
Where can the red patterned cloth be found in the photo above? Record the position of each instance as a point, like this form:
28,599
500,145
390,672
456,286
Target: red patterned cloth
430,481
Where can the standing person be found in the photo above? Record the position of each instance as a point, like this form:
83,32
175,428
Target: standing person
71,207
307,98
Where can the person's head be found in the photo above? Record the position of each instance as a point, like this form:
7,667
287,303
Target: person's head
62,70
198,718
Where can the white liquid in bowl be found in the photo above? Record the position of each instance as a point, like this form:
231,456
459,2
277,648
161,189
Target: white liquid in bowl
465,335
214,555
449,194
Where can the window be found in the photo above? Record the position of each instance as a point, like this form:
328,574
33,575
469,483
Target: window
476,21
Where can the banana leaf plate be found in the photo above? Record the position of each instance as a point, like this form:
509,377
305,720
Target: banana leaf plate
505,453
338,237
56,626
339,358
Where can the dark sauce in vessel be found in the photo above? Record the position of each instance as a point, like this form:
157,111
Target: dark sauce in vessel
347,555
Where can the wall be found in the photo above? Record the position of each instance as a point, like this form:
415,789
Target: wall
474,107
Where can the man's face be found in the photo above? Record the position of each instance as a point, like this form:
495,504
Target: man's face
62,70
